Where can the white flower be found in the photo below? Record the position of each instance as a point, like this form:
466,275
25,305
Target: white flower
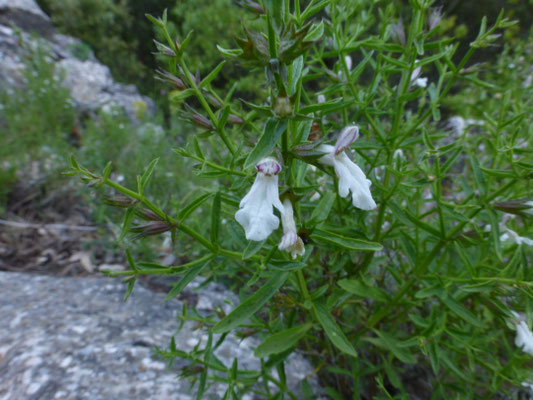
524,337
530,209
290,241
351,177
348,61
416,79
321,99
512,236
434,18
256,214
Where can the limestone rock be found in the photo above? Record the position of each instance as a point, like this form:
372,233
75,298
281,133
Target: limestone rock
90,82
74,338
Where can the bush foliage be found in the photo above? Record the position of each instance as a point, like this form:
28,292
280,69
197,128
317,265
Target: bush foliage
415,295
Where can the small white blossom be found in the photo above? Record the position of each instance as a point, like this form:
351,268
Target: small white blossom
524,336
398,32
512,236
256,214
416,79
348,61
434,18
530,209
290,241
351,177
321,99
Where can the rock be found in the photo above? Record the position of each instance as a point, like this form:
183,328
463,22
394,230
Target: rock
25,14
22,5
74,338
90,82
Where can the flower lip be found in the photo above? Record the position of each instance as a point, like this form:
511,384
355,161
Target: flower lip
346,138
268,166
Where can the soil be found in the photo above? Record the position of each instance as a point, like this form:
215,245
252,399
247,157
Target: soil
52,233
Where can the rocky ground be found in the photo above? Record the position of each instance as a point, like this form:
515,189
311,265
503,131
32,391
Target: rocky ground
75,338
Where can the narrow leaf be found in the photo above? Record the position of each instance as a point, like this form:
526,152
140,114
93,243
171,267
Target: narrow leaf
215,219
186,279
212,75
321,235
251,305
281,341
273,130
334,333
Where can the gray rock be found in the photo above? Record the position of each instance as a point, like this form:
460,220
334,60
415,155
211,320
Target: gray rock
90,82
74,338
22,5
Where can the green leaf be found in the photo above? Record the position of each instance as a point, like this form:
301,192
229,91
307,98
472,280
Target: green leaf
495,232
390,343
281,341
154,20
284,265
274,10
461,311
186,211
177,96
296,74
131,283
333,332
128,218
229,52
215,219
212,75
313,9
321,235
321,211
273,130
315,33
107,171
252,248
186,279
359,288
74,162
145,178
326,107
478,175
251,305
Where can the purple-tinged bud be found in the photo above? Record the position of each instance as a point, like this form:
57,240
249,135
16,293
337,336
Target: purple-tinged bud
199,119
147,214
212,100
435,17
346,138
398,32
120,201
152,228
518,207
234,119
166,76
164,50
253,7
268,166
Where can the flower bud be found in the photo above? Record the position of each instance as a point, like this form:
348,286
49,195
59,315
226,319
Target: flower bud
518,207
283,106
152,228
434,18
234,119
398,32
120,201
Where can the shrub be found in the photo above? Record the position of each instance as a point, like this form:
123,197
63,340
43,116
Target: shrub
406,286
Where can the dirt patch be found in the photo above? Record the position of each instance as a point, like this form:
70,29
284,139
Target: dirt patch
51,234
